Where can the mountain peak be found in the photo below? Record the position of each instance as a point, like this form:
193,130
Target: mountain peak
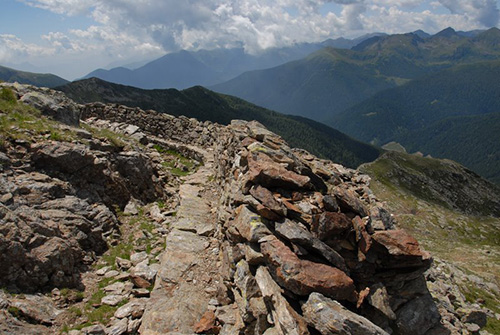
447,33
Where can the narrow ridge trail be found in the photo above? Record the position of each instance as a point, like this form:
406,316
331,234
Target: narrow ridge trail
187,281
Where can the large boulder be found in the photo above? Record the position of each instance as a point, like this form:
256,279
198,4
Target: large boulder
302,276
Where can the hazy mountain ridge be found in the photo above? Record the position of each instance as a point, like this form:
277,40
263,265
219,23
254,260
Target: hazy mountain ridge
204,104
185,69
332,80
453,113
38,79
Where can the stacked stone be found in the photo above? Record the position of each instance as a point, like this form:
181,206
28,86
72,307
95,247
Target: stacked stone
180,129
309,247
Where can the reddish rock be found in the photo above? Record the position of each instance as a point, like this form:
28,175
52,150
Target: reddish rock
328,225
402,250
362,236
267,199
207,324
399,243
264,171
348,201
267,213
140,282
303,277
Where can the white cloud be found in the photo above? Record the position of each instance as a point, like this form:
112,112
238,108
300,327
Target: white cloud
138,28
485,12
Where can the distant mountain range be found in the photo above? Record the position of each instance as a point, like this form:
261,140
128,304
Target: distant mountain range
185,69
203,104
331,80
37,79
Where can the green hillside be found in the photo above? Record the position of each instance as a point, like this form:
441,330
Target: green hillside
474,141
453,213
331,80
36,79
204,104
450,114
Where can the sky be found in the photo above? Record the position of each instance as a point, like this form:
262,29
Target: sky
71,38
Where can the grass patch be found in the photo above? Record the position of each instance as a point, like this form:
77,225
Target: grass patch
77,312
21,122
122,250
174,158
115,139
14,311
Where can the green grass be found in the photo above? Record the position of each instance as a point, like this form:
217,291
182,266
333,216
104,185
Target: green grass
14,311
472,293
115,139
172,158
22,122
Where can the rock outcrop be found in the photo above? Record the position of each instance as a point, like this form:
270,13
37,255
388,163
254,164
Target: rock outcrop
259,238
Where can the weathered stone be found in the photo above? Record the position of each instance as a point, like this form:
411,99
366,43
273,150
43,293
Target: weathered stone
330,203
133,326
267,199
123,264
401,250
379,299
36,308
144,271
331,318
207,325
55,104
477,317
299,235
330,225
362,237
349,201
94,330
381,219
133,309
138,257
112,299
250,225
263,171
303,277
118,327
417,316
285,318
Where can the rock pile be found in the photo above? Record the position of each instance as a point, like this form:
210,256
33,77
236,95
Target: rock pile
307,240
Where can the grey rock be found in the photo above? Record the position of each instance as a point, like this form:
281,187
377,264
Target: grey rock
301,236
289,321
417,316
112,299
139,257
379,298
119,327
54,104
329,317
134,309
93,330
37,308
250,225
133,326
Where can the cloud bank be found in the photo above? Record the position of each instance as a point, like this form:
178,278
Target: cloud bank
135,29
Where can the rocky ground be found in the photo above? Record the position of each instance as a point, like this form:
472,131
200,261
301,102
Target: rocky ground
123,221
